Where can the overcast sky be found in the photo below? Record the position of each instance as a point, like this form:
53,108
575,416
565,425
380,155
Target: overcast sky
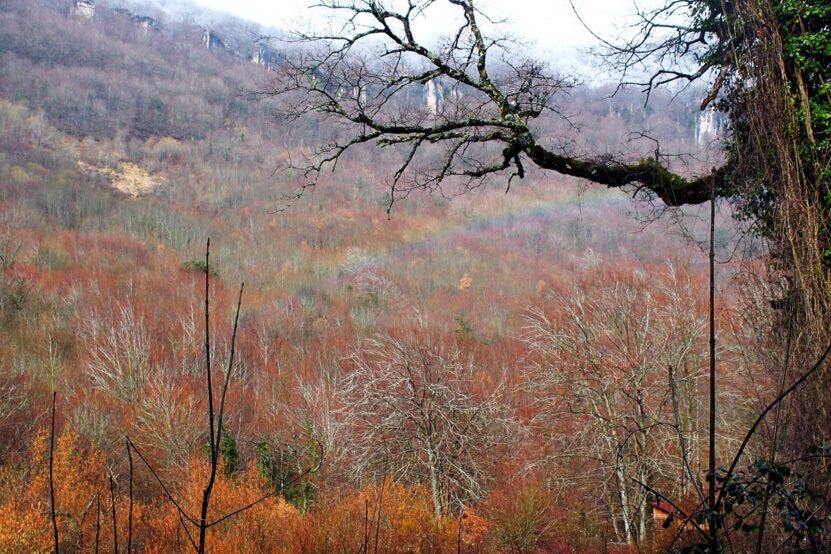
551,25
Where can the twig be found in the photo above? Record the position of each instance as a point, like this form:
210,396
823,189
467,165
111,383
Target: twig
365,547
52,476
380,502
183,515
760,538
265,497
115,519
206,493
97,520
796,384
686,517
459,537
130,512
158,479
227,382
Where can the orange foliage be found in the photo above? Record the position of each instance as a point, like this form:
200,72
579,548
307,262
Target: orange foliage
400,517
270,526
79,475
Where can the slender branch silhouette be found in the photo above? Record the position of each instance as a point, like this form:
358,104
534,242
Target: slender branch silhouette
52,509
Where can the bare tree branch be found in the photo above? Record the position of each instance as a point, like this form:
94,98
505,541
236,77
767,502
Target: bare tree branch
364,78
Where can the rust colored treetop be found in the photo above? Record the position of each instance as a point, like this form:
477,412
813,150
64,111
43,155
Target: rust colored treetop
362,78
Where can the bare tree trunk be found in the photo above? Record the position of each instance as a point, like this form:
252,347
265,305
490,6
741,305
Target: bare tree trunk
214,447
615,525
115,516
624,503
53,511
642,513
711,471
435,487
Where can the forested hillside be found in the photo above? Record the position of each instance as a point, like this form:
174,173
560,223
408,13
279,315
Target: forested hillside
489,373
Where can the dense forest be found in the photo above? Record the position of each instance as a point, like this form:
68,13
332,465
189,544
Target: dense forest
463,370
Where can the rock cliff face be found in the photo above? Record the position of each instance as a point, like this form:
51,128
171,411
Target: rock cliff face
127,178
212,41
711,126
434,97
145,22
436,93
266,57
83,8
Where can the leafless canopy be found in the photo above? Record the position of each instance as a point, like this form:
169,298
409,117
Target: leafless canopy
478,121
679,41
413,414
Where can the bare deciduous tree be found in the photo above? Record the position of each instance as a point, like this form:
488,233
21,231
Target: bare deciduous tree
167,422
417,411
621,376
118,346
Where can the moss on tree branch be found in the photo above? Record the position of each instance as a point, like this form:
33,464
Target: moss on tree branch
671,188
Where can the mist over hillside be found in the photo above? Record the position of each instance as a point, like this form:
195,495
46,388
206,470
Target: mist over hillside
169,52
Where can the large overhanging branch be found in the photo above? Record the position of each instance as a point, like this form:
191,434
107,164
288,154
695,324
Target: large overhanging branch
364,79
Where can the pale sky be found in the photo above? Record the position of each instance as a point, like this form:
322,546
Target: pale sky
550,24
